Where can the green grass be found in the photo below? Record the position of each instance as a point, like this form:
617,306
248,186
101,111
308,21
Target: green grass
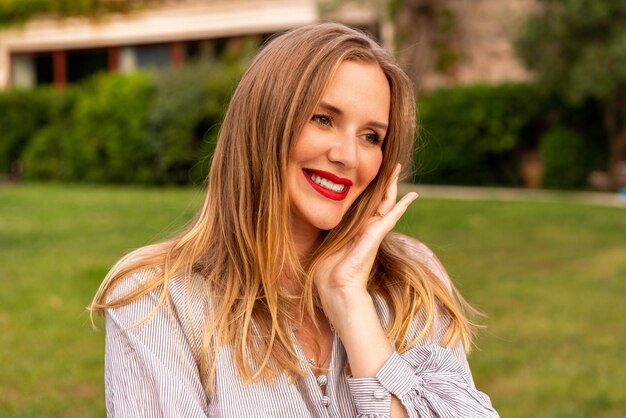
550,276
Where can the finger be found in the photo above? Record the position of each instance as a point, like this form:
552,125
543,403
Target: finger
368,242
390,219
389,199
399,208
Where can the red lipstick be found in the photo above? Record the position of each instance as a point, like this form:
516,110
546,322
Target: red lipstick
330,194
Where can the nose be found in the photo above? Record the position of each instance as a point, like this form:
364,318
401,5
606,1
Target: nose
344,150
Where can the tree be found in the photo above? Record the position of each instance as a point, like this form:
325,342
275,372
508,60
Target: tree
577,49
425,32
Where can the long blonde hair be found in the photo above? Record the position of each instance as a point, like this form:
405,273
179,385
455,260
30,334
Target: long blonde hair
240,243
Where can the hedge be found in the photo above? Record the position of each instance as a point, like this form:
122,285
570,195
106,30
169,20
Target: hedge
153,128
99,137
160,128
471,134
185,117
478,134
565,156
22,114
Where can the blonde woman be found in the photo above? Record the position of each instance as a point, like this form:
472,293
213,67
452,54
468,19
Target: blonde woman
288,296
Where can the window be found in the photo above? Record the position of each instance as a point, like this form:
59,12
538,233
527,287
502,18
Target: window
86,62
152,56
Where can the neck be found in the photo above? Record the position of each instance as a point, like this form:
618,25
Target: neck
305,240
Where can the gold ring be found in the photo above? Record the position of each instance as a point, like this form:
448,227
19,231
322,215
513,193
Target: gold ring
381,214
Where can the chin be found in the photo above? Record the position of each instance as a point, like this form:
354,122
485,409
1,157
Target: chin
326,224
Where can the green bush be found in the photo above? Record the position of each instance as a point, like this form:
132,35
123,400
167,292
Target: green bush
108,141
471,134
98,136
565,156
157,128
22,114
185,117
586,120
43,158
161,128
45,152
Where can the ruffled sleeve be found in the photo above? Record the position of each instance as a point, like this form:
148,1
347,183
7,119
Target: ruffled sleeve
428,379
429,382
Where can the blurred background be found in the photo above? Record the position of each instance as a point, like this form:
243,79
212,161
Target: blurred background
109,113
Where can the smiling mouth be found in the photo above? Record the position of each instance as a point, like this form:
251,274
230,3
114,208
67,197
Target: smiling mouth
327,184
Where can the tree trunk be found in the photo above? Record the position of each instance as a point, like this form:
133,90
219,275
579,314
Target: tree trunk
615,124
414,37
617,158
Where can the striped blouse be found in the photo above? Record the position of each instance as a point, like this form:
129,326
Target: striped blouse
151,369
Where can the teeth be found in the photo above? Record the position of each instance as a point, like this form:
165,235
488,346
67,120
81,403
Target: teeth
327,183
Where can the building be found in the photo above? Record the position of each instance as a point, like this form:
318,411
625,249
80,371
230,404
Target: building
60,51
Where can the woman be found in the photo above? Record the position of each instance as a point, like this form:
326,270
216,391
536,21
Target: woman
288,296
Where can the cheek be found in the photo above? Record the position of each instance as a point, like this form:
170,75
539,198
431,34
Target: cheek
372,166
305,146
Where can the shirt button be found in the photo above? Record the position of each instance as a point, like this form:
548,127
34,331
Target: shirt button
325,400
322,380
379,394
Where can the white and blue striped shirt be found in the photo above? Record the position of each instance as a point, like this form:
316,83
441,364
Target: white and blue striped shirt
152,369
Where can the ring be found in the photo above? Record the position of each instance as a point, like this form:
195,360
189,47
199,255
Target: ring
381,214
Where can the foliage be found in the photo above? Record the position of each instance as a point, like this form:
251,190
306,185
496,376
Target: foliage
471,134
426,37
108,141
44,150
22,113
585,120
185,117
161,128
16,11
578,50
577,47
140,128
565,157
100,138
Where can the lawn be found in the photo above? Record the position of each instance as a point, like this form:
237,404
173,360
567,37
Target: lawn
550,276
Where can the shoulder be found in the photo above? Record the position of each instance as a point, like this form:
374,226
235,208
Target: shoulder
165,309
147,292
124,287
140,275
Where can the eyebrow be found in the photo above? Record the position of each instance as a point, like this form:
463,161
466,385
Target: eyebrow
339,112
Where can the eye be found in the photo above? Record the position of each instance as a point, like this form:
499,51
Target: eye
322,119
372,138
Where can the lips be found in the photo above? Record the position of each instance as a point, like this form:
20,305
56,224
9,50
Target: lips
330,194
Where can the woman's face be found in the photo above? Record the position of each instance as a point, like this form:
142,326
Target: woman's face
339,150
